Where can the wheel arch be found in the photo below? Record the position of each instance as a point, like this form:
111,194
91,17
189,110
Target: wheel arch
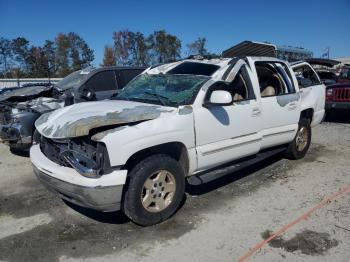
307,114
176,150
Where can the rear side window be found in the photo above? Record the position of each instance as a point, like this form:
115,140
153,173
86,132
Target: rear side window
125,76
306,76
274,80
193,68
102,81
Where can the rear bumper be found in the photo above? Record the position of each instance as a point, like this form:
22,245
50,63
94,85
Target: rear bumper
338,105
103,194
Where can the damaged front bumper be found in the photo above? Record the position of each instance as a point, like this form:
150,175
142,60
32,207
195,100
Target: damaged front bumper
330,105
103,193
14,133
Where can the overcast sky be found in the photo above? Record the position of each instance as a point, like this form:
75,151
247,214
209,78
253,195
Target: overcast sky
314,25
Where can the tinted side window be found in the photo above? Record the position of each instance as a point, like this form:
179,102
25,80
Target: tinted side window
102,81
271,79
125,76
306,76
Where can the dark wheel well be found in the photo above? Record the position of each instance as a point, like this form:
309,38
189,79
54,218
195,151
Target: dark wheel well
175,150
307,114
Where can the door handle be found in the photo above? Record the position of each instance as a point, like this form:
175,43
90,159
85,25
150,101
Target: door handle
256,112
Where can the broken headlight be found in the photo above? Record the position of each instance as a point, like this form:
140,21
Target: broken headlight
89,158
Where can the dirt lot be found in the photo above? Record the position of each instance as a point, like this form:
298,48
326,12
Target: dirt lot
219,221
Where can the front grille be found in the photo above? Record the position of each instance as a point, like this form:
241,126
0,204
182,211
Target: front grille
52,150
341,94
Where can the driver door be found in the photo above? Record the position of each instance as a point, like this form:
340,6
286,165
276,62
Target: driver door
226,133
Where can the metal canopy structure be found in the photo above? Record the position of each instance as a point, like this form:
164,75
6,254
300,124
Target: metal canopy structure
322,62
249,48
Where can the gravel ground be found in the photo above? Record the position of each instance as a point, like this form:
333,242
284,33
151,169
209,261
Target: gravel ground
219,221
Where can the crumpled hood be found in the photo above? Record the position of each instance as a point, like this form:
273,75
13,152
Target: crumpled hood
77,120
23,92
41,104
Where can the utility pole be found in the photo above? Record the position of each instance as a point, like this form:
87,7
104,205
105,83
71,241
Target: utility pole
328,49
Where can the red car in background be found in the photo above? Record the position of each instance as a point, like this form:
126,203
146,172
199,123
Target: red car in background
344,76
337,97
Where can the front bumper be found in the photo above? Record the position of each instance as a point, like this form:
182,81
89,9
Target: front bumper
338,105
14,134
103,193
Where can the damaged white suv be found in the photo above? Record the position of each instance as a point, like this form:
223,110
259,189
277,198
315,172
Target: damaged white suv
192,119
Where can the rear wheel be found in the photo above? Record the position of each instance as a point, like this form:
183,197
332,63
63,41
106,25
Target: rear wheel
301,142
155,190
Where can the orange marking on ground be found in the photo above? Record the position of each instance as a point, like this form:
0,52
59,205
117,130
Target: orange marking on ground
304,216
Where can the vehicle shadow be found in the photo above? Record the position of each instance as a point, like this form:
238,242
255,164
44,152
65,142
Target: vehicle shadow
342,117
18,152
119,218
116,217
232,177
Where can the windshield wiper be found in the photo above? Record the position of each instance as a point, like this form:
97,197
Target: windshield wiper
159,97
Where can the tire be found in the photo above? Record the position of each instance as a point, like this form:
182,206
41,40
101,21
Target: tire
301,142
145,186
19,148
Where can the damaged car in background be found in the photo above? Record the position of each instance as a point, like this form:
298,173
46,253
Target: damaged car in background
134,152
19,108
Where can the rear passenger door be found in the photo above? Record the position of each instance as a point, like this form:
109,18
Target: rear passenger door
280,103
103,84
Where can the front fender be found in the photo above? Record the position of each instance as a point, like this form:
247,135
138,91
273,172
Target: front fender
123,142
26,120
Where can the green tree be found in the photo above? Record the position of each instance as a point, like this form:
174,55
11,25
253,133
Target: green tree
139,49
109,58
21,50
123,42
37,62
71,53
50,52
164,47
80,53
5,54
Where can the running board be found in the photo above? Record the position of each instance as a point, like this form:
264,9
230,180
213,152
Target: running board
207,176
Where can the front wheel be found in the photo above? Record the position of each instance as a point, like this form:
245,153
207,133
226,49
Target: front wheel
155,190
301,142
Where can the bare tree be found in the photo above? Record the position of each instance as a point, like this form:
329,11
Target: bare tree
197,47
109,58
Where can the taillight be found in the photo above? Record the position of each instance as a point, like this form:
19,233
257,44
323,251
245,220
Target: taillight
329,94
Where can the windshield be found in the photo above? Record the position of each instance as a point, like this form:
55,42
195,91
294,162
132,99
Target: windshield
326,75
345,74
73,80
167,90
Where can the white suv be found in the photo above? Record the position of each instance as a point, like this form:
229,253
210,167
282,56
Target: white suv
174,122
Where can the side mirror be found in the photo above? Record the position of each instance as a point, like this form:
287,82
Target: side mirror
87,94
220,98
